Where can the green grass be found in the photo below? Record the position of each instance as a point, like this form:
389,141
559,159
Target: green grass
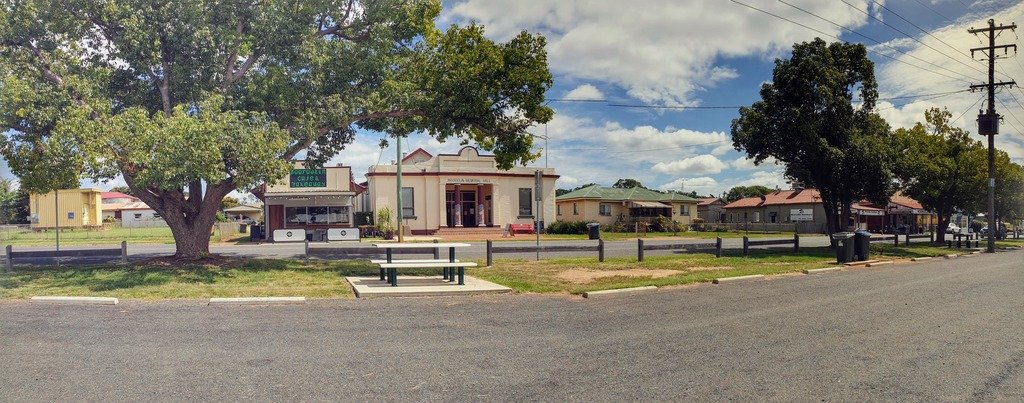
619,236
25,237
549,276
252,278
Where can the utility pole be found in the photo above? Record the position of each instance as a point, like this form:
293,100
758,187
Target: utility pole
398,185
988,121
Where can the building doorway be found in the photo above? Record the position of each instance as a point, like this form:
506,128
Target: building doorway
469,208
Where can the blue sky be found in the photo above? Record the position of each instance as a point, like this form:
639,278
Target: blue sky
717,53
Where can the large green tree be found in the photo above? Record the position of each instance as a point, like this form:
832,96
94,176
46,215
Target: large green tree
806,119
190,100
627,184
739,192
941,167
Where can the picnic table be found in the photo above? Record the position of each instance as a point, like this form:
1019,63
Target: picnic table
452,267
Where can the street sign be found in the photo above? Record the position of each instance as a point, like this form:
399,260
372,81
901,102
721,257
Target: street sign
538,186
799,214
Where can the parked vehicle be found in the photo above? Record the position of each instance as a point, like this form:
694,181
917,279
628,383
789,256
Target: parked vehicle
953,229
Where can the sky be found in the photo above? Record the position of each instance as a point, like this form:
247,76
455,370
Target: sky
717,54
623,70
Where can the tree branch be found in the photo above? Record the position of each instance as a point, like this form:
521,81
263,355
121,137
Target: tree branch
306,143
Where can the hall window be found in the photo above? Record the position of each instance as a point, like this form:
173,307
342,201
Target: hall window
684,209
525,202
558,209
407,203
605,209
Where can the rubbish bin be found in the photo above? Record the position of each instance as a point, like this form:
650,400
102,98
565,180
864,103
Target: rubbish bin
844,246
862,245
241,228
255,233
594,230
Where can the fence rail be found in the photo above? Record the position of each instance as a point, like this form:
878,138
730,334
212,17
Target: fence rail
491,249
57,254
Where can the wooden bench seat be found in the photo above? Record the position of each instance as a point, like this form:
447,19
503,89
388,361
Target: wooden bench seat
382,261
450,269
520,229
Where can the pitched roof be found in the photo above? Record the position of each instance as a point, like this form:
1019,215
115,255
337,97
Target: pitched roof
905,201
116,195
709,201
126,206
631,194
778,198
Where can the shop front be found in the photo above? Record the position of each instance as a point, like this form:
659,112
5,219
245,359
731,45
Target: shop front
311,204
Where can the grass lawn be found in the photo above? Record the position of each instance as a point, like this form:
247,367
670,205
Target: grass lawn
578,275
25,237
239,278
619,236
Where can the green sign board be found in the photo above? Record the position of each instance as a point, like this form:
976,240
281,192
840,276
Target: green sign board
308,178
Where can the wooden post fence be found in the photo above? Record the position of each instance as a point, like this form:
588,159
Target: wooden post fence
746,246
639,250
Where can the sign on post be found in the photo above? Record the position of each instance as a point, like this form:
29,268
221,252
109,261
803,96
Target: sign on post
801,214
538,186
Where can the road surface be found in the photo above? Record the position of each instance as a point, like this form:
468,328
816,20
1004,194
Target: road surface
936,331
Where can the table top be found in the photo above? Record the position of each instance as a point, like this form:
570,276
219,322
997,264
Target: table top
406,245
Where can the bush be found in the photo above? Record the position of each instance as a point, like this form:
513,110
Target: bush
567,227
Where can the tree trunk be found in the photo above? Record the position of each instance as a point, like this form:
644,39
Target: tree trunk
190,219
830,218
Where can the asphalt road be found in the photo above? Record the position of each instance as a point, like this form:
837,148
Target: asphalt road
477,250
943,330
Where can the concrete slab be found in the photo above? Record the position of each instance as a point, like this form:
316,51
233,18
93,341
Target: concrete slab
619,291
257,300
76,300
422,286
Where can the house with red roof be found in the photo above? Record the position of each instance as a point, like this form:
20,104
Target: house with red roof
780,207
710,209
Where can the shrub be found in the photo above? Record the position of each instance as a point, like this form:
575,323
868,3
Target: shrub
567,227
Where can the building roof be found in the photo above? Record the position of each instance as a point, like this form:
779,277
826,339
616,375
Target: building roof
126,206
116,195
709,201
905,201
778,198
631,194
243,209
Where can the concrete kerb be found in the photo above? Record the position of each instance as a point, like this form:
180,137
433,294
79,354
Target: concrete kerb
825,270
257,300
620,291
882,263
721,280
918,259
76,300
951,256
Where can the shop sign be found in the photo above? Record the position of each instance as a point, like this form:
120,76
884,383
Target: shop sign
467,180
308,178
799,214
870,212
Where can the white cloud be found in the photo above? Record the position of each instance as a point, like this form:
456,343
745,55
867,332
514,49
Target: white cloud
701,164
747,164
700,185
585,92
567,180
658,50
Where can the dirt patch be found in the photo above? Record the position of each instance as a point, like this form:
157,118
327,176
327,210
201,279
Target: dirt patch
582,276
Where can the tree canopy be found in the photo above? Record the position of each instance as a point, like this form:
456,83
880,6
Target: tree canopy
941,167
188,101
739,192
628,184
807,121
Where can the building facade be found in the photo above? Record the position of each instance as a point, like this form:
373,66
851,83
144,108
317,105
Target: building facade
610,205
461,190
710,210
73,208
796,206
308,203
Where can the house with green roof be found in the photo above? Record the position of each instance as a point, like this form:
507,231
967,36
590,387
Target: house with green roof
609,205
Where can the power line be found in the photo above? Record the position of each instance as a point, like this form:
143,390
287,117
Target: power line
911,37
641,151
926,32
925,5
838,39
969,108
877,42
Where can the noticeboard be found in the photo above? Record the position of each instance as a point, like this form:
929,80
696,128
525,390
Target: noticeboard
799,214
308,178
